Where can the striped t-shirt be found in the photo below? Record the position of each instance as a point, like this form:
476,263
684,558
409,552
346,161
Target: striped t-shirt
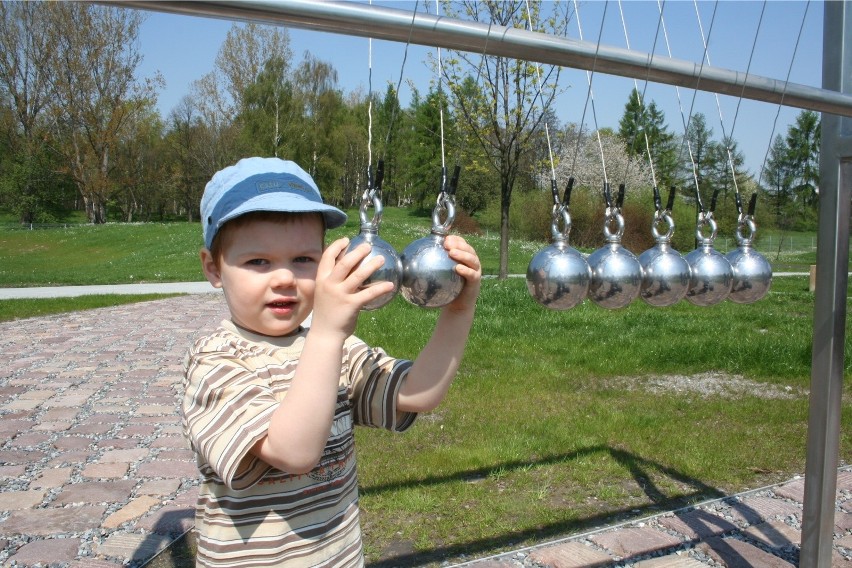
249,513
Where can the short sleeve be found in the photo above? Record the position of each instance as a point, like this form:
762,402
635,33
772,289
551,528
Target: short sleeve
226,409
374,381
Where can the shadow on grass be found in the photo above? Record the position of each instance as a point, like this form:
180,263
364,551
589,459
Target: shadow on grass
639,468
704,525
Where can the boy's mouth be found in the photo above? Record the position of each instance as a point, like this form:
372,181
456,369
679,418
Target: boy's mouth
281,304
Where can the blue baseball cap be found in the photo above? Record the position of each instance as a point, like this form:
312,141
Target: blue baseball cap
261,184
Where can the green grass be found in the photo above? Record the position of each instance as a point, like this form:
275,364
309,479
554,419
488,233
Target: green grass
548,430
37,307
556,423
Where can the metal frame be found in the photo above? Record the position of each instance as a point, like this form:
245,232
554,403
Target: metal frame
830,303
834,100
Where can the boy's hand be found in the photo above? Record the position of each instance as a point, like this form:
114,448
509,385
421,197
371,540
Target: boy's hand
468,268
339,296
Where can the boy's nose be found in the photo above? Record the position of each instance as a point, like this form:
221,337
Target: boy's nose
282,277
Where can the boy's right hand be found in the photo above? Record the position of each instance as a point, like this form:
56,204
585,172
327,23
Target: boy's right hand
339,294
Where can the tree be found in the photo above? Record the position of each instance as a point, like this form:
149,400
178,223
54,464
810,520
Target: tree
803,139
778,174
513,99
29,175
643,129
96,94
245,53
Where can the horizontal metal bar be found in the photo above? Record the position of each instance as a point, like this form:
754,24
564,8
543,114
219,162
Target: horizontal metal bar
364,20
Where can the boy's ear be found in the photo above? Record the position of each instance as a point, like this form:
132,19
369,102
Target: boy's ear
210,268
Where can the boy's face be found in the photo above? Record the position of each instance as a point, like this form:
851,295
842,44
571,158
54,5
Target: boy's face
267,271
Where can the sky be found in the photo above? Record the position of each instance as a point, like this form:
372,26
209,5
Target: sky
756,37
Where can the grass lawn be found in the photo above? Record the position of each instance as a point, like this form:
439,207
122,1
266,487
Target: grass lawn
558,422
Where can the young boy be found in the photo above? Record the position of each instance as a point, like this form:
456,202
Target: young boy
269,406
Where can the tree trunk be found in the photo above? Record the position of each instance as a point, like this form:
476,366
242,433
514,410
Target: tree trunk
505,202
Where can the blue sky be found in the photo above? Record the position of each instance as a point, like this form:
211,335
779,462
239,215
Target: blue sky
184,48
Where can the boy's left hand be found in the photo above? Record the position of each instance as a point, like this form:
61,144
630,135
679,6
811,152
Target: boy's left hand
469,268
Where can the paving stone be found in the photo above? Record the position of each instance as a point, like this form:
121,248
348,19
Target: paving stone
159,487
138,430
634,541
129,455
130,546
768,508
17,500
171,442
55,426
136,508
51,478
24,457
570,555
697,523
50,521
171,519
733,553
740,513
163,468
47,551
775,534
105,470
118,444
72,443
7,471
844,481
842,521
33,438
671,561
794,490
116,491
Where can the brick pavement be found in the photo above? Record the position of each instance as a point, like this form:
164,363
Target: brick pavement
95,471
94,467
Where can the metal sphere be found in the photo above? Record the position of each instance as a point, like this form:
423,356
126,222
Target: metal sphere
390,271
616,276
712,276
665,275
752,275
429,277
558,276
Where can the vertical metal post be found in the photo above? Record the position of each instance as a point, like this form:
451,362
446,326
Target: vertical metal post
830,302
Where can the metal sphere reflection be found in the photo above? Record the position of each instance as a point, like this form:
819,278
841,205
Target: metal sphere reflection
616,276
558,276
390,271
665,273
752,272
711,278
429,277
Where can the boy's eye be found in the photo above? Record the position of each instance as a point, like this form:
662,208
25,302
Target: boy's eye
258,262
302,259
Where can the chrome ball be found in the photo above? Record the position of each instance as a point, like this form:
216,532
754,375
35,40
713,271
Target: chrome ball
429,277
390,271
752,275
712,276
616,276
665,275
558,276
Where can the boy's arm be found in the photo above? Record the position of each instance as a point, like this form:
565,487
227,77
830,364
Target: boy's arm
434,369
300,426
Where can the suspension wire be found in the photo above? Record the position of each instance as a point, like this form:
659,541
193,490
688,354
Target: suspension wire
541,97
401,74
682,116
728,140
440,101
784,92
641,98
589,94
370,103
463,146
